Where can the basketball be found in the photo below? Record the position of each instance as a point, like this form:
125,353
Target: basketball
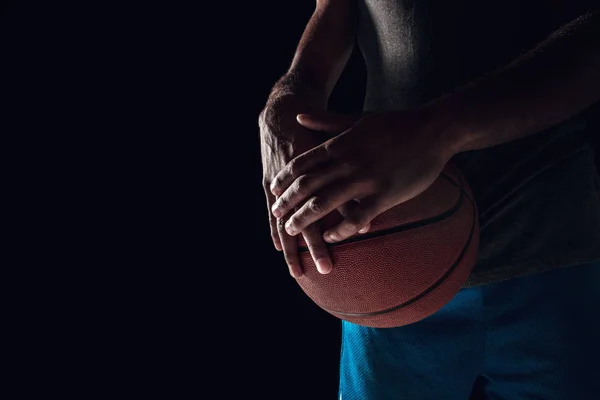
413,260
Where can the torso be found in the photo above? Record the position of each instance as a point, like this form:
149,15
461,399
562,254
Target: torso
525,189
417,50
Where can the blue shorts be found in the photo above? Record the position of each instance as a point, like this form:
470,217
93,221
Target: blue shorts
534,337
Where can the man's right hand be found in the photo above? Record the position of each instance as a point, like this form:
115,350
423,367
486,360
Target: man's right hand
282,138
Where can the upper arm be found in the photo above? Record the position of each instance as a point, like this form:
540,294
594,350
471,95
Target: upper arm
327,41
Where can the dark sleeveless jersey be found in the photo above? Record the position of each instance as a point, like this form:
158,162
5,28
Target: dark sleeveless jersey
539,196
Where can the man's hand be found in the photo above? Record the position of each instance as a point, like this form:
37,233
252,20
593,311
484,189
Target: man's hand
384,159
282,138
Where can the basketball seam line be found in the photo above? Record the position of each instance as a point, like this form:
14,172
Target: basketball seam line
435,284
412,225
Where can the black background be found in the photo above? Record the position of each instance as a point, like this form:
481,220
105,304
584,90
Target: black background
135,126
141,122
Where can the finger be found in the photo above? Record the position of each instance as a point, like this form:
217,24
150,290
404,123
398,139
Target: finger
272,220
347,208
318,248
304,186
330,122
360,216
298,166
289,246
324,201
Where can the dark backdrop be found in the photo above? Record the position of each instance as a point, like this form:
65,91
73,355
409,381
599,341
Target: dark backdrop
308,339
138,149
137,155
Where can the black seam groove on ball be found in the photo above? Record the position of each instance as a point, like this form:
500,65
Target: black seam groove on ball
433,286
418,224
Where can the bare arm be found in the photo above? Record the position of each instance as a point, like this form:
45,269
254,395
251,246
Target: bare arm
321,54
547,85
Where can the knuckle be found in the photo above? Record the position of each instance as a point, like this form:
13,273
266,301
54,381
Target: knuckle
289,256
316,205
316,249
311,243
281,225
302,184
294,168
288,252
330,148
282,202
294,220
355,222
273,225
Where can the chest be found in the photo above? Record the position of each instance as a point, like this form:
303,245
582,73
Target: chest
429,17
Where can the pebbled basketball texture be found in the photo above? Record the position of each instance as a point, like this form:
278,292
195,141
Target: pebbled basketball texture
415,258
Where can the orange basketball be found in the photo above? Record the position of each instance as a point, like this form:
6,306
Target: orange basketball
414,259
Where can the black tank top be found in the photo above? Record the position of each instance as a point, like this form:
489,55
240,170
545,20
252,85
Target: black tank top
539,196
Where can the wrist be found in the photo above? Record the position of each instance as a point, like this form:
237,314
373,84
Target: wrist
449,123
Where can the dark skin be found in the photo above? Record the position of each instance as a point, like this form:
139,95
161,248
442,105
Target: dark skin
407,149
320,57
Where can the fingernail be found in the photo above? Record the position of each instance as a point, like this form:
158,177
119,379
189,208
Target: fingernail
330,237
295,272
324,265
289,229
276,212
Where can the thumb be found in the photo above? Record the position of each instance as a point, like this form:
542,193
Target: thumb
327,121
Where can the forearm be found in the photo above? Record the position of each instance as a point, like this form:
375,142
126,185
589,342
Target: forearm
551,83
322,53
